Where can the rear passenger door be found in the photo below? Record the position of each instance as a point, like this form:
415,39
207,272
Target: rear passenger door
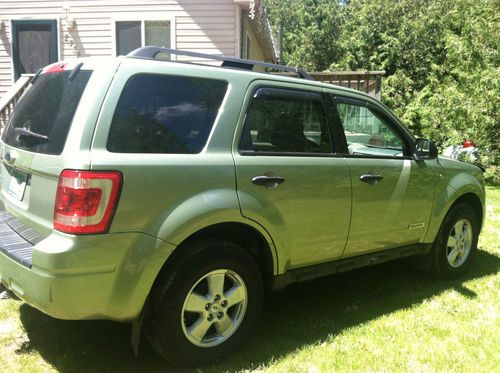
289,178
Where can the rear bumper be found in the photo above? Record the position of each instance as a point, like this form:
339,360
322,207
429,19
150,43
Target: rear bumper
86,277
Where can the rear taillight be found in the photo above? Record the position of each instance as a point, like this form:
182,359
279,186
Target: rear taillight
86,200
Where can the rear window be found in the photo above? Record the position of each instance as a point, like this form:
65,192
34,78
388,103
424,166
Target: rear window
165,114
42,118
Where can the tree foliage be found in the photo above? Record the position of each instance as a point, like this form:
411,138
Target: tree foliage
441,58
310,31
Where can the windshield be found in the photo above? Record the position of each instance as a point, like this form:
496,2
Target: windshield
42,118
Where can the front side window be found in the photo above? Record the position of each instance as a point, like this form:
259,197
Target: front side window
285,121
165,114
131,35
367,133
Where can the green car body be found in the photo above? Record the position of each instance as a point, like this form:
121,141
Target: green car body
322,219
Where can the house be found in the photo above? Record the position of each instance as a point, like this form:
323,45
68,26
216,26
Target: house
35,33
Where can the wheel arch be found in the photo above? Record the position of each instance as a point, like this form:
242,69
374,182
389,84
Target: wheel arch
474,201
257,243
467,195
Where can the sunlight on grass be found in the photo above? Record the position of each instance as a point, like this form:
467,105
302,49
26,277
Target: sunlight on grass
384,318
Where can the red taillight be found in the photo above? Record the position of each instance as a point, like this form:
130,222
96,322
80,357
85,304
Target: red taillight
86,200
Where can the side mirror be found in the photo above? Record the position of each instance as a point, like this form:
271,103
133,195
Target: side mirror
425,149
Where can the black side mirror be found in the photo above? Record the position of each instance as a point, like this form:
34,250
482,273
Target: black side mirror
425,149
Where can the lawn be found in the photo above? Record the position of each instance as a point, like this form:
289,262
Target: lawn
385,318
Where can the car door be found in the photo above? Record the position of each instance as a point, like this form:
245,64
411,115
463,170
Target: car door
392,194
289,179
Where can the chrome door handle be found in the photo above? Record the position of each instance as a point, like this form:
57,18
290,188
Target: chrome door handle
371,178
268,181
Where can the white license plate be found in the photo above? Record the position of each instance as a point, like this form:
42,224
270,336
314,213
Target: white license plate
17,184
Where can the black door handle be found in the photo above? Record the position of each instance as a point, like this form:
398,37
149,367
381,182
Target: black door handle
268,181
371,178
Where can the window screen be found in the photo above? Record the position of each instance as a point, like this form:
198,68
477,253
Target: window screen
128,37
285,121
165,114
157,33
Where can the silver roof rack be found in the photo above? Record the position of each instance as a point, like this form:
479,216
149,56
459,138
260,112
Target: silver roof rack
150,53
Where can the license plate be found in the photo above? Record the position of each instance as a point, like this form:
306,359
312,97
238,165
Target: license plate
17,184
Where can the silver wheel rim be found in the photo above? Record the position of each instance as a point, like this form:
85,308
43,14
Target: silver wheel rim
459,243
214,308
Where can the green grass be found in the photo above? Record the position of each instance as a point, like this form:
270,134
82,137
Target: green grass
386,318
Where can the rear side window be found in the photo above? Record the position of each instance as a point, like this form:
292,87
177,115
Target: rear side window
41,120
165,114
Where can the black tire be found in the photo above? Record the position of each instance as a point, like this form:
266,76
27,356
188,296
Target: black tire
168,322
442,253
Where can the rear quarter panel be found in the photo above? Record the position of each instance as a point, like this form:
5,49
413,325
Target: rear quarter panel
171,196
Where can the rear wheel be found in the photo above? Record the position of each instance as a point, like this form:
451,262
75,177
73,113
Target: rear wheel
456,243
206,304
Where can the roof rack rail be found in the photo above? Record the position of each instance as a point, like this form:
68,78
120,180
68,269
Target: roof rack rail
150,52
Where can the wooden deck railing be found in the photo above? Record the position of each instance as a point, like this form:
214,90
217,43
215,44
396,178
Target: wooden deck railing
11,98
366,81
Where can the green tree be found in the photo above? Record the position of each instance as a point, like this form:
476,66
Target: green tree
310,31
440,56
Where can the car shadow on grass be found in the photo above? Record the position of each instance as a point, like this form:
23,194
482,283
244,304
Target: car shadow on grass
297,316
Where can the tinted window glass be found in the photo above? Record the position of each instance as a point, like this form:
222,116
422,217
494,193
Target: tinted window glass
367,133
41,120
285,121
165,114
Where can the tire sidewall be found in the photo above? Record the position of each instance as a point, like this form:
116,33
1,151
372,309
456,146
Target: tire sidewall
441,264
166,315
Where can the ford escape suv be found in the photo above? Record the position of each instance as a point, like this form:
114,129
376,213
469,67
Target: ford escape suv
172,195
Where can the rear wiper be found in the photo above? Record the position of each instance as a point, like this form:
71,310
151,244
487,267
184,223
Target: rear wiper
75,71
26,132
36,76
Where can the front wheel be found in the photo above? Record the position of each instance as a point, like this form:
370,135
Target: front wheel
456,243
205,304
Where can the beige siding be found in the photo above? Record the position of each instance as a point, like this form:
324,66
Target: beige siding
208,26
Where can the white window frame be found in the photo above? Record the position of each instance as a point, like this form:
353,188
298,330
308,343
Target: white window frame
143,20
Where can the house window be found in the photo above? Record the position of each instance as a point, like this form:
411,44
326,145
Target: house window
247,47
131,35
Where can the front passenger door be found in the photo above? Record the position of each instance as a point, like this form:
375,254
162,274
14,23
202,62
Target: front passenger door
392,194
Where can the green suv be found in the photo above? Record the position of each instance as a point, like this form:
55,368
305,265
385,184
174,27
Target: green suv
173,195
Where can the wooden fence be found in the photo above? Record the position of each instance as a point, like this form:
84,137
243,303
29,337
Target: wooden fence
366,81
